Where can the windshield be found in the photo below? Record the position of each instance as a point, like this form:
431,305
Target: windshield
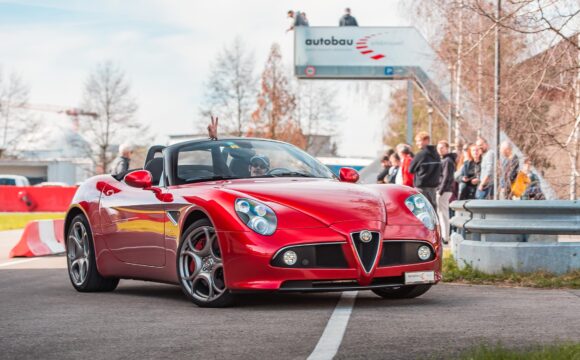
243,158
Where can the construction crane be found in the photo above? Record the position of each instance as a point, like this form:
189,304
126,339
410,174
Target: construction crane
73,112
70,111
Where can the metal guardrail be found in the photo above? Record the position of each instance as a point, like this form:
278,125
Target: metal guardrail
552,217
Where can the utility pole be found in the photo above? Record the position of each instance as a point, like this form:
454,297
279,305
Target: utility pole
496,100
451,106
410,112
458,70
575,135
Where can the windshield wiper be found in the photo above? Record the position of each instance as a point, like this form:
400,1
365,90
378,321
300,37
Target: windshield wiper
212,178
291,174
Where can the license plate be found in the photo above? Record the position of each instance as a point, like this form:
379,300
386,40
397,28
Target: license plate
420,277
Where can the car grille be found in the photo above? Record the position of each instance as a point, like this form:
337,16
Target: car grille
331,255
366,251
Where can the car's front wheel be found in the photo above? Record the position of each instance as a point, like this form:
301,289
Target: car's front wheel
81,262
200,266
403,292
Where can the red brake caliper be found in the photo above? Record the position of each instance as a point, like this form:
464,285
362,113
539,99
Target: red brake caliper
198,246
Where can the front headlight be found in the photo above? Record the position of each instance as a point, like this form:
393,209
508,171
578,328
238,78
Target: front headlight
422,209
256,216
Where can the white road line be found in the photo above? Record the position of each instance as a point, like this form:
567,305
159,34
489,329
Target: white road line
334,332
16,262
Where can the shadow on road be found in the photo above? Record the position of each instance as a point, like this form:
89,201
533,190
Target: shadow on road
270,301
262,300
55,283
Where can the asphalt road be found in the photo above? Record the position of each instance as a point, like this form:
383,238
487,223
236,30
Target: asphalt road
43,317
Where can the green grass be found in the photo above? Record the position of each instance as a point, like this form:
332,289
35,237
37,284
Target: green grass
538,279
565,351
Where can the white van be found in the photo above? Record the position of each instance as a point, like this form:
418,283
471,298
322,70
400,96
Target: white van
14,180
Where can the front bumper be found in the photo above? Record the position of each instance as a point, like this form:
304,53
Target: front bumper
248,259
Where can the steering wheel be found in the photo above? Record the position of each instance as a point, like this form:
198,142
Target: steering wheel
274,171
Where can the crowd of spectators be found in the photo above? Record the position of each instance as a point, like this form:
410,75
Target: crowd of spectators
466,172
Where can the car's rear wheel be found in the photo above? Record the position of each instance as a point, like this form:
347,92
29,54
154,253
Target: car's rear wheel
81,262
403,292
200,267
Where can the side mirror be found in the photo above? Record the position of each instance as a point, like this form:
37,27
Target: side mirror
347,174
139,179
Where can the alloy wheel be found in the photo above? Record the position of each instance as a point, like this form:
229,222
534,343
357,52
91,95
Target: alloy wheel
78,253
201,269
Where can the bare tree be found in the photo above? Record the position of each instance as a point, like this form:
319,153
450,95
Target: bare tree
230,91
316,112
14,120
545,84
536,17
546,112
107,93
539,62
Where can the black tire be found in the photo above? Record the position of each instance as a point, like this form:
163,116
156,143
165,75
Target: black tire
92,281
403,292
225,298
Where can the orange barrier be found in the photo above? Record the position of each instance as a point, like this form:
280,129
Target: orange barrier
31,198
40,238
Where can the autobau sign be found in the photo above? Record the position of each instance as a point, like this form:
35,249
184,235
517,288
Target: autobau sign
379,53
368,53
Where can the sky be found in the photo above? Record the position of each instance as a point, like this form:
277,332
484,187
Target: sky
166,48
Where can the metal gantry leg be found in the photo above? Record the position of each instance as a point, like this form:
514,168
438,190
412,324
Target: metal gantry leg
410,112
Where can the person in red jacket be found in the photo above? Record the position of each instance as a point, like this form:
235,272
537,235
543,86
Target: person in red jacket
404,177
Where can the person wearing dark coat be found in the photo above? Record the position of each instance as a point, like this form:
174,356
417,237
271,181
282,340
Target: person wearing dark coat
347,19
444,190
426,167
386,164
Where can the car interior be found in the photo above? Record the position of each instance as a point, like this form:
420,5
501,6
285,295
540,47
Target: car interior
199,163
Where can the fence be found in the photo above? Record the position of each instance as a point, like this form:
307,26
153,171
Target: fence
520,235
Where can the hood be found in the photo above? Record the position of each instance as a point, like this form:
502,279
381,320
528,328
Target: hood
328,201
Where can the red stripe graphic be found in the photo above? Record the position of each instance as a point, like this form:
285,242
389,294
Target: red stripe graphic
362,44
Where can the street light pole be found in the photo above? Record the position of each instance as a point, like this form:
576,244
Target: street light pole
496,100
410,111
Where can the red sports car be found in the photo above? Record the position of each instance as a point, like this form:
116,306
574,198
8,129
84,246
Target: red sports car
220,217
